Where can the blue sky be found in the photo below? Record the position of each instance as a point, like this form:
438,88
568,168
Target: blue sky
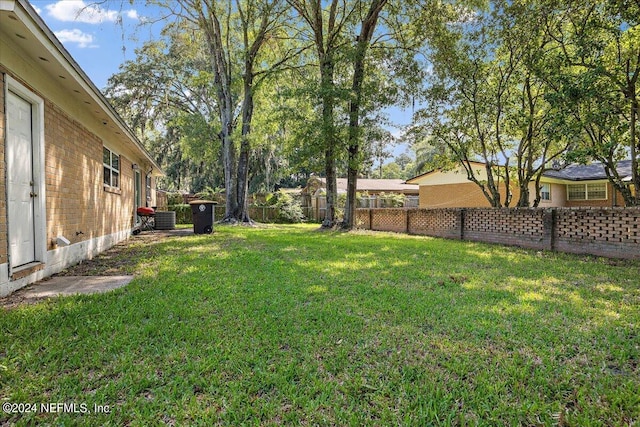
102,34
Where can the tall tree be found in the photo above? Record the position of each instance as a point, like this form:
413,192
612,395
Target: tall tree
344,33
489,102
363,42
166,99
595,70
326,31
235,34
467,108
520,32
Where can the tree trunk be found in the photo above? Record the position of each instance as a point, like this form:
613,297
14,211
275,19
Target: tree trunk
242,210
229,164
494,192
523,200
327,67
222,82
359,63
635,174
331,188
536,201
349,222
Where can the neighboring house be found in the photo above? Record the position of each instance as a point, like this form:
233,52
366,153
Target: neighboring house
71,172
373,193
370,186
573,186
451,188
582,185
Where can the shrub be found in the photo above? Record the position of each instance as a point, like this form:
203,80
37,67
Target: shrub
289,208
214,194
391,200
175,198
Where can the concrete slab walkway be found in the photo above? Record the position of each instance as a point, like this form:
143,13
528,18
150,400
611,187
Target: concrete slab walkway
71,285
113,271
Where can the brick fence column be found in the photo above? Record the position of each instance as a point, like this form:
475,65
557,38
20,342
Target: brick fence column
406,223
549,222
461,218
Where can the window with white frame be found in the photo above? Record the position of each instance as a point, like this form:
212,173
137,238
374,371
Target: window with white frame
592,191
545,192
111,168
597,191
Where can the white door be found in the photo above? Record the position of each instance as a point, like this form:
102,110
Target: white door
21,190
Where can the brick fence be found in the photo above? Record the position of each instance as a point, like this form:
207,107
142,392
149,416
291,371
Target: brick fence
608,232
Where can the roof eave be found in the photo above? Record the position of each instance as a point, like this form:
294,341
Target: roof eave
82,78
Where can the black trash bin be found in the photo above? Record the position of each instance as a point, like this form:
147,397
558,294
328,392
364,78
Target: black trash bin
202,214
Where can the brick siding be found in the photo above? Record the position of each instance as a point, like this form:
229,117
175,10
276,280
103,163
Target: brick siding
608,232
461,195
78,206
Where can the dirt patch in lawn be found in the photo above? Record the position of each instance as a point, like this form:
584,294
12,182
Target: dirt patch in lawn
124,258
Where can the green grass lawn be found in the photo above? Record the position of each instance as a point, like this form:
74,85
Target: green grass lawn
286,325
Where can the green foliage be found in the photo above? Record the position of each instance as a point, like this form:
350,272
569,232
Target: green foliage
596,68
500,81
391,170
175,198
213,194
289,208
523,83
165,96
391,200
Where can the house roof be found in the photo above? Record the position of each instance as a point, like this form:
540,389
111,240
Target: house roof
590,172
573,172
378,185
417,178
21,26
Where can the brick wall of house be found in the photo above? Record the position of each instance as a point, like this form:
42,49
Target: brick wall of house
78,206
466,195
451,195
609,232
3,201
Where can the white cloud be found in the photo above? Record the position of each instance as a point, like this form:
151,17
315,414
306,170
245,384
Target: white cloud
78,11
91,13
75,36
37,9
